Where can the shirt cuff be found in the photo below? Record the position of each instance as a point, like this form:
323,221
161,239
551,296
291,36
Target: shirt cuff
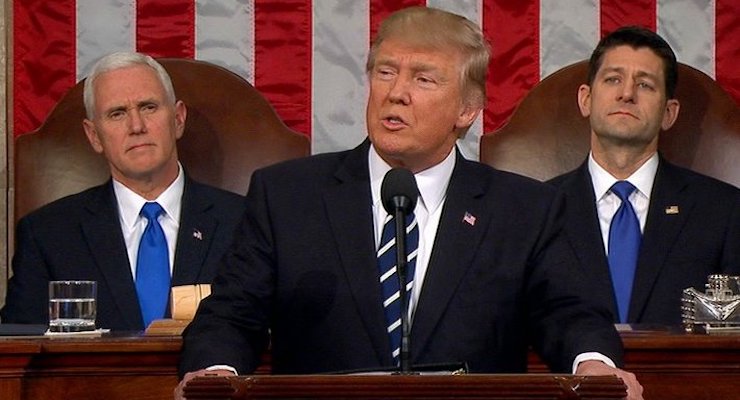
592,355
225,367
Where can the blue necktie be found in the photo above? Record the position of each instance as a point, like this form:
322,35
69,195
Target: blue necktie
152,267
624,247
389,277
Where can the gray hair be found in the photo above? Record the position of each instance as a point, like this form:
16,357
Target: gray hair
120,60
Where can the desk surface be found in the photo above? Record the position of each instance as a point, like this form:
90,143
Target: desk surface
669,364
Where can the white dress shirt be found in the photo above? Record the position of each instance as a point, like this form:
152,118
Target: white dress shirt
607,202
432,183
133,224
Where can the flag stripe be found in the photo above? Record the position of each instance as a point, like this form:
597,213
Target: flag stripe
224,35
569,30
307,57
283,59
379,9
727,55
43,58
693,46
339,90
615,13
165,28
96,35
514,67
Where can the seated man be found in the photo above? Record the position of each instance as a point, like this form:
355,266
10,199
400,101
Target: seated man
491,276
643,229
134,119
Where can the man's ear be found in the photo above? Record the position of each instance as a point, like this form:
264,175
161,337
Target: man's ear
181,113
92,135
467,116
584,100
672,107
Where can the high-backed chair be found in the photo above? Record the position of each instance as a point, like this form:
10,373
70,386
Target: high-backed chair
230,131
547,136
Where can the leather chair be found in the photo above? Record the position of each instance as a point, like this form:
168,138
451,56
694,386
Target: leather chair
547,136
230,131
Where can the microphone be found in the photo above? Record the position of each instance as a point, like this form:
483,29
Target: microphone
399,194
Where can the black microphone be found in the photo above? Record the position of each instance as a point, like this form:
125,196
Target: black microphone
399,194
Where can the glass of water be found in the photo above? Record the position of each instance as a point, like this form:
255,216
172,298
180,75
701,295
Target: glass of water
72,306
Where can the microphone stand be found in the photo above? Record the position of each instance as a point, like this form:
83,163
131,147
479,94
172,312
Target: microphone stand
401,263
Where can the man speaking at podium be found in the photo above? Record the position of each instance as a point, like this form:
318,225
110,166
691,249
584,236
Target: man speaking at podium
490,275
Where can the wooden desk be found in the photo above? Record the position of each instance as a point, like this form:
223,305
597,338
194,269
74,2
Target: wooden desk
670,365
108,368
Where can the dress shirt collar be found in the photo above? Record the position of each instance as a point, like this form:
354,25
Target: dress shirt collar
130,203
432,182
642,179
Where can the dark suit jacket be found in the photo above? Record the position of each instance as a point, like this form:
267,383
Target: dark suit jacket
678,250
303,265
79,237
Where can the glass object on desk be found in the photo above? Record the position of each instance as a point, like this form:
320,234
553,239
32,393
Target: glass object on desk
717,310
72,306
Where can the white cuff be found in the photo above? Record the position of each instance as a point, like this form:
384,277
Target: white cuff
592,355
223,367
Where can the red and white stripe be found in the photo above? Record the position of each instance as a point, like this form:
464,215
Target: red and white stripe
307,57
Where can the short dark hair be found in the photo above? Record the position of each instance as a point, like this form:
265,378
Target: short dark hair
637,37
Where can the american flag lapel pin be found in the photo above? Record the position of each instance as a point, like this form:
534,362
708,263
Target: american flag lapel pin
469,218
671,210
197,234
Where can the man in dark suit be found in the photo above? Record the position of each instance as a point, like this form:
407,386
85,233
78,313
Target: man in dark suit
134,119
491,276
689,223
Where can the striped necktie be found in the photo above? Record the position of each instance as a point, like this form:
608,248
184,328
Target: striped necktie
624,247
152,266
389,279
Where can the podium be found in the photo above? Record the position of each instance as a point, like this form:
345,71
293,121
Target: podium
474,386
671,365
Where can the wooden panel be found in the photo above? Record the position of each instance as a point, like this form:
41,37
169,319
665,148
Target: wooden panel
509,387
669,364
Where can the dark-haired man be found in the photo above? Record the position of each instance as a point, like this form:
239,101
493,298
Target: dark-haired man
684,226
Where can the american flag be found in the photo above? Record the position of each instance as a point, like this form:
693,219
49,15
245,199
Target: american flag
307,57
469,218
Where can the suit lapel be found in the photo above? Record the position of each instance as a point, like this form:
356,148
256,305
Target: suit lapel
661,229
197,230
102,231
454,249
344,202
584,234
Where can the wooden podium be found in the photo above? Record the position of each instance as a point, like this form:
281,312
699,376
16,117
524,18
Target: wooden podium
530,386
671,365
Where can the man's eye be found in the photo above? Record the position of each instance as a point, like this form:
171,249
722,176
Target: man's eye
149,108
116,115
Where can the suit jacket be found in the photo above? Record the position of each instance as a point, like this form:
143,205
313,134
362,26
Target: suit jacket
79,238
303,265
692,230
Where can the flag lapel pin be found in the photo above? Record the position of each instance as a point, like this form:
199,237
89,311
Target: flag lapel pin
469,219
197,234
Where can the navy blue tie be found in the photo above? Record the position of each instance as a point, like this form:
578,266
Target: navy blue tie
389,276
152,267
624,247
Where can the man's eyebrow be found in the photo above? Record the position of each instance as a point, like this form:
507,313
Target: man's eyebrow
640,73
